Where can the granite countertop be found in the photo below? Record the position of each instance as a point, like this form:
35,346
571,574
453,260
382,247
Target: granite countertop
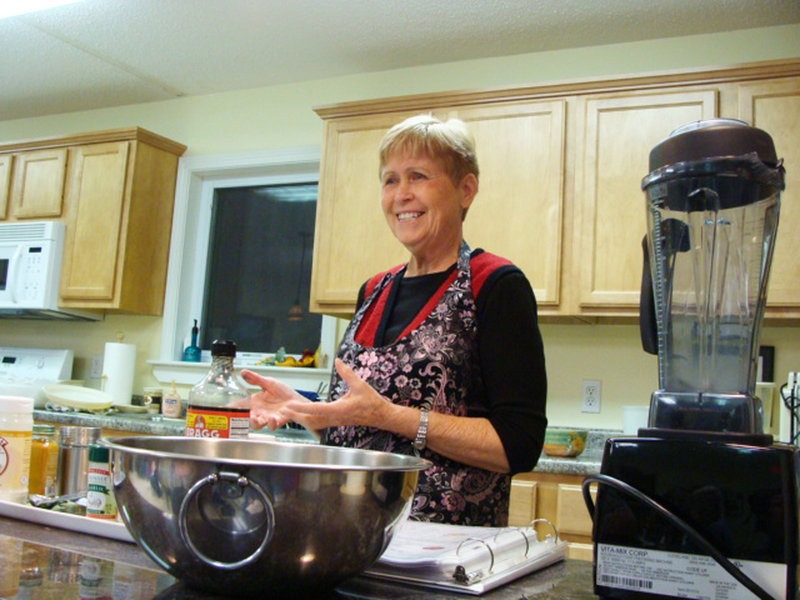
587,463
64,564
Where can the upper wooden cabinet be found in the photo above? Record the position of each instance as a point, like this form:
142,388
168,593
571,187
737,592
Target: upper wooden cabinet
774,106
37,189
613,151
114,190
560,182
5,181
519,210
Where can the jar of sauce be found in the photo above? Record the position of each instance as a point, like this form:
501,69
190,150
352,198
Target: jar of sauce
43,476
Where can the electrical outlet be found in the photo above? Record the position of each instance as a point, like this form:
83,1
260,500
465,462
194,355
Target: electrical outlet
590,396
96,367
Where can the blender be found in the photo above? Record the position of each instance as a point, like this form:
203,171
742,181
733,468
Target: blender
702,503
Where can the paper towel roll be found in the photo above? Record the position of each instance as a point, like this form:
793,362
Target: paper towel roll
119,361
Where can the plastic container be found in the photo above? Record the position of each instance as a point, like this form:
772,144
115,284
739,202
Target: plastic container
43,474
171,404
100,502
73,457
218,405
16,428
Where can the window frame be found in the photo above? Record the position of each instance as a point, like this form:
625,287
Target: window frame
194,192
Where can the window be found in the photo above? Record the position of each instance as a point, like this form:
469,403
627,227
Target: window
259,206
259,268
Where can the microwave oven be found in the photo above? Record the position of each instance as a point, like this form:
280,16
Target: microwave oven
30,270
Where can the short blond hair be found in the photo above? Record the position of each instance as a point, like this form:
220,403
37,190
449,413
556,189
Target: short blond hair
449,142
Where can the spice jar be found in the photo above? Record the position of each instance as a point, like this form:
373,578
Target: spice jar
43,476
100,503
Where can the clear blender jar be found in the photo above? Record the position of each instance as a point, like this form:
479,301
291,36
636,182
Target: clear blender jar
713,198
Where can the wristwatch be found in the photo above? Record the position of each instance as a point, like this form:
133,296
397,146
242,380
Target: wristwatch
422,430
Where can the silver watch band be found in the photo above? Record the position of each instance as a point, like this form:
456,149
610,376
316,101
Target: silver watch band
422,430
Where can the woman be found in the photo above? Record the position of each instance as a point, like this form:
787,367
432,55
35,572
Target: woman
443,356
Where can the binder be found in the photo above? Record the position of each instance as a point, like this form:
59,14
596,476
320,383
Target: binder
471,560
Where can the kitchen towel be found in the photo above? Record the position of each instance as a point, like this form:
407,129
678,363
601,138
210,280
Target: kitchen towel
118,366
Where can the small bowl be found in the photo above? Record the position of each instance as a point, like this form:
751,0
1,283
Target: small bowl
564,442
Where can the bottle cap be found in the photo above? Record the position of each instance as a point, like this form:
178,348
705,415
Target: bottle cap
223,348
43,429
98,454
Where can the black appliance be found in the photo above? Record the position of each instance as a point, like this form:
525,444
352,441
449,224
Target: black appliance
702,504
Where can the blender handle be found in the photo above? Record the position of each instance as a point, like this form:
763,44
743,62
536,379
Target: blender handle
648,329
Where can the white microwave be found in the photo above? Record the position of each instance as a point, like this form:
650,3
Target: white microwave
30,270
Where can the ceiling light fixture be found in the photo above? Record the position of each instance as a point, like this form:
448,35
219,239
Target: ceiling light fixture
12,8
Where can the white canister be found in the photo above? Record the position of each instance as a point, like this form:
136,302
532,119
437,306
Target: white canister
16,427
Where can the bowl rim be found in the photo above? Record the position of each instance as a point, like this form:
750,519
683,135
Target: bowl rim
405,462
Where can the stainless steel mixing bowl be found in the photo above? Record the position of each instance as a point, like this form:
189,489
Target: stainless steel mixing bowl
252,517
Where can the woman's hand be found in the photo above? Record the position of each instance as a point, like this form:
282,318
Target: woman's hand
267,407
361,405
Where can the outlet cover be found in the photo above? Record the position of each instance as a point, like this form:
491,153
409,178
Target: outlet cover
590,395
96,366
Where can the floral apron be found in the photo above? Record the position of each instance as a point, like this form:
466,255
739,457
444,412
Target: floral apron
434,366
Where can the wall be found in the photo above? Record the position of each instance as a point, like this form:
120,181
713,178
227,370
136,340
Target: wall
282,116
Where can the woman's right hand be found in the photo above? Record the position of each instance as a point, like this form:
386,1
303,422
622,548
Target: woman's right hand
266,406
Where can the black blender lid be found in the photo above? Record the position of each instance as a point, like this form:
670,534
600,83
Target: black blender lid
713,138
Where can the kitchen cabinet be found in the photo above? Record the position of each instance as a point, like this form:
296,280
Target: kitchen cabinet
117,188
37,189
775,107
522,166
5,182
613,154
560,183
559,499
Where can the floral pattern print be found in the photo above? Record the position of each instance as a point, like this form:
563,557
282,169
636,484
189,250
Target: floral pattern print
435,366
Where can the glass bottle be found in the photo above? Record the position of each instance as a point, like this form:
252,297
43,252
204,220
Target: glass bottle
43,476
218,405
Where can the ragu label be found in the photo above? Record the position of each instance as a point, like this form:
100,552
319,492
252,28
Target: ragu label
217,422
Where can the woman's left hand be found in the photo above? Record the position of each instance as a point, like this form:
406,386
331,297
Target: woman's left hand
361,405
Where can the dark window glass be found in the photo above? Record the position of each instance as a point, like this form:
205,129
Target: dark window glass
3,273
259,269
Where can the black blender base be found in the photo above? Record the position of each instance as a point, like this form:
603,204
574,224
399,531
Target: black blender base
742,498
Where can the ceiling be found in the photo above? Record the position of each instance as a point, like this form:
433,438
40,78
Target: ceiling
101,53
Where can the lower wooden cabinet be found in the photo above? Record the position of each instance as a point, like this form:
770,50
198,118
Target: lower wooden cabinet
559,499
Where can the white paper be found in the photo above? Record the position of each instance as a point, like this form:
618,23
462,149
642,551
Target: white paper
429,554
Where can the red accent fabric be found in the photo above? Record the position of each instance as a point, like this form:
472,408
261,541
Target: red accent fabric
481,266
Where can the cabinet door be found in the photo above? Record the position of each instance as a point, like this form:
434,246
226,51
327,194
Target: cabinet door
95,202
5,181
38,187
352,241
522,503
774,107
518,211
619,133
572,515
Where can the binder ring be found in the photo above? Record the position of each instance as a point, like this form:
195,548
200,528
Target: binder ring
488,547
533,523
524,537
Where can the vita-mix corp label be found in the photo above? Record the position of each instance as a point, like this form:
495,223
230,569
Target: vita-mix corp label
680,575
217,422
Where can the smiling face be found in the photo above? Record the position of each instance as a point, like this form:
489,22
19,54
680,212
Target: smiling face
424,209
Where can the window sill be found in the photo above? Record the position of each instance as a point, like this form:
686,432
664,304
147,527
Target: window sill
189,373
